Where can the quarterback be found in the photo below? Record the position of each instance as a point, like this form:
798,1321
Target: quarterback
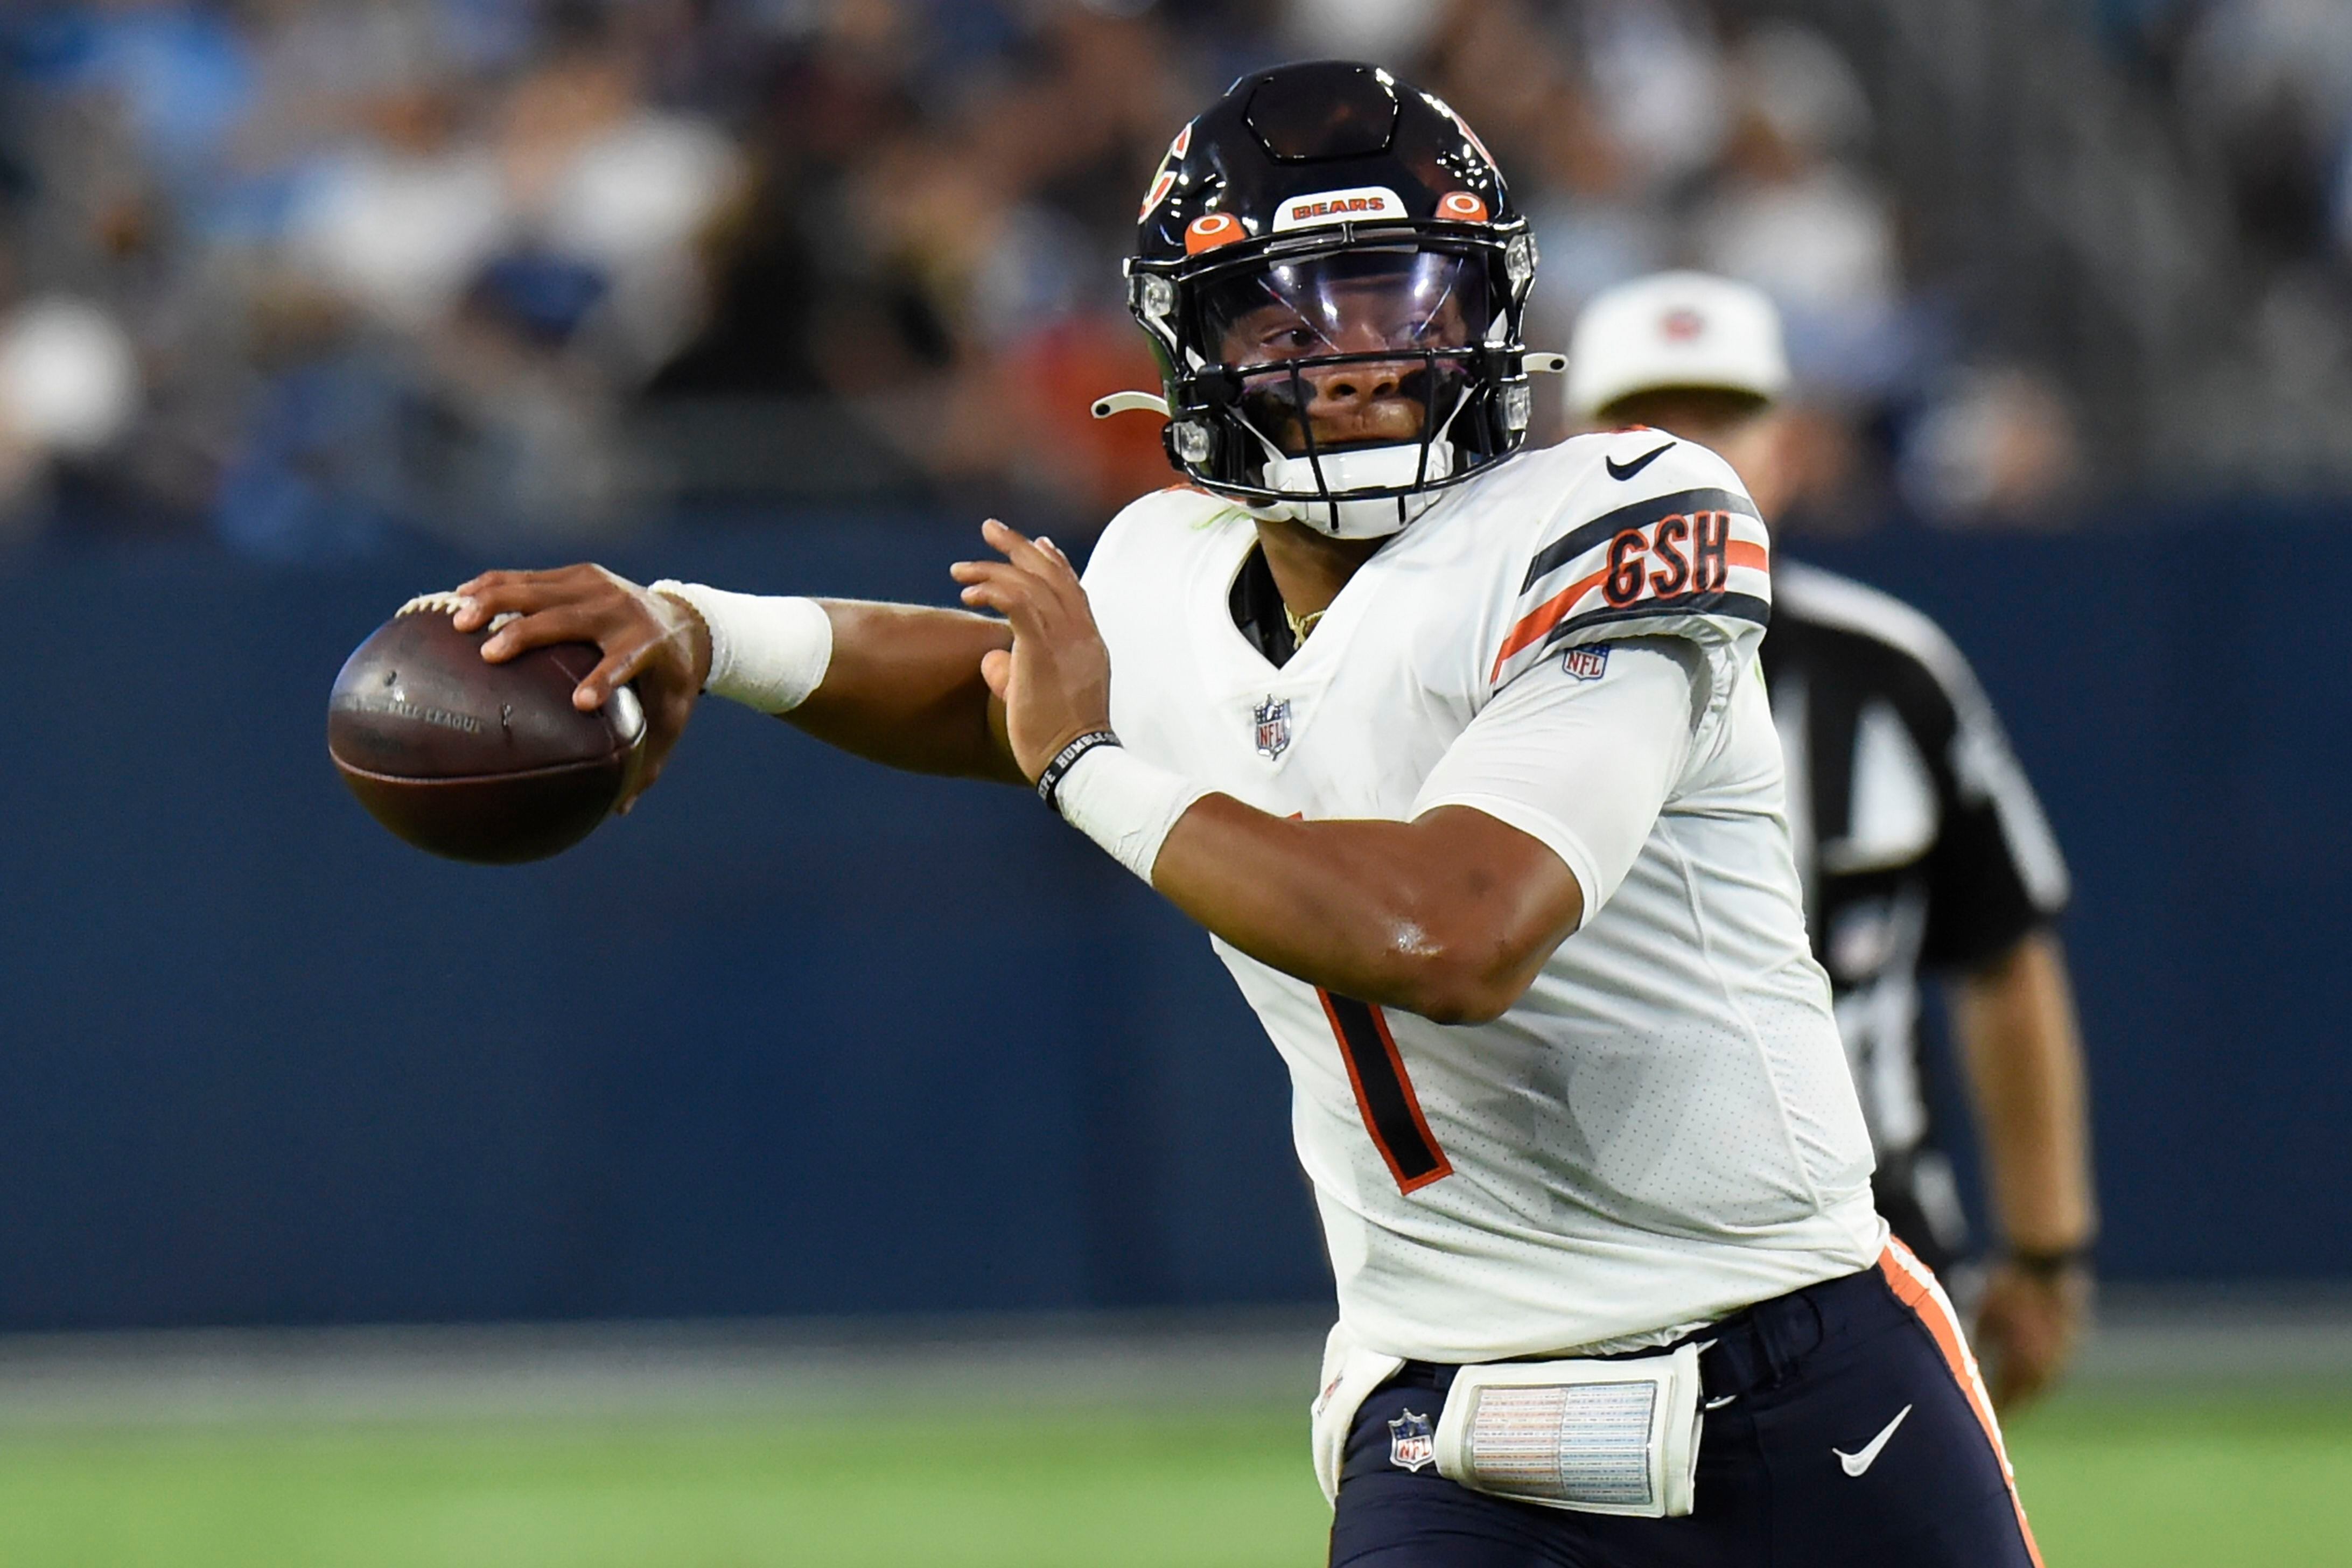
1460,753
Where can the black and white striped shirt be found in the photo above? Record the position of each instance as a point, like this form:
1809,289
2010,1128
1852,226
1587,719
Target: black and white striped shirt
1921,844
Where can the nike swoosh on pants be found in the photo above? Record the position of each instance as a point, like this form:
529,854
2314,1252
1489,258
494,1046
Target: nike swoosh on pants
1857,1463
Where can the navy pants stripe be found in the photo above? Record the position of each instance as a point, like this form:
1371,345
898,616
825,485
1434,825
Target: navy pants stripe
1832,1370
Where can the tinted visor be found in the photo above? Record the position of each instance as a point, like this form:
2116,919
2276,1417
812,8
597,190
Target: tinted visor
1396,321
1345,302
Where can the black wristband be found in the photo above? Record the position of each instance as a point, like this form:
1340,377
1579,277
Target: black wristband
1067,758
2049,1263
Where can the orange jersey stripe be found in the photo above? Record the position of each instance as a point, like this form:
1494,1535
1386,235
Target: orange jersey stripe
1538,622
1546,615
1915,1286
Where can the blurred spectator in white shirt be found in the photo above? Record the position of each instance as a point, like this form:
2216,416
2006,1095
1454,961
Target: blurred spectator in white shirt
69,390
400,223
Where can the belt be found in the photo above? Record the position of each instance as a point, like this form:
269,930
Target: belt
1754,1348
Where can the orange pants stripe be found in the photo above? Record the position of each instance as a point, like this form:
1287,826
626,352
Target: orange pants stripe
1914,1284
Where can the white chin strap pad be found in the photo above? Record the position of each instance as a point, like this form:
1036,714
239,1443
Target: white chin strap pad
1368,468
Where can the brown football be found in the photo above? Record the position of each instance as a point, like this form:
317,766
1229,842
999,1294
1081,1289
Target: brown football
480,762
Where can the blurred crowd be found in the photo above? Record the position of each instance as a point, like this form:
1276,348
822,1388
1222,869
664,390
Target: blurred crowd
304,273
2268,83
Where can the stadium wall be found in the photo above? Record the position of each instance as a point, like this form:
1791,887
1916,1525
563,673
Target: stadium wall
804,1036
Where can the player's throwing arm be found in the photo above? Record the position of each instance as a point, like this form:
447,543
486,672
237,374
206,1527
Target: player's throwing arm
898,684
1449,916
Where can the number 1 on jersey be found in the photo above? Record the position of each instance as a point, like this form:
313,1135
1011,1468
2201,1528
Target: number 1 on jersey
1384,1095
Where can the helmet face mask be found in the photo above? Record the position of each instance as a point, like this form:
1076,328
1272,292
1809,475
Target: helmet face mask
1355,347
1338,330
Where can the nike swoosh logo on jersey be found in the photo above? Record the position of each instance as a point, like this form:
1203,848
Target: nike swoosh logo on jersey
1627,470
1857,1463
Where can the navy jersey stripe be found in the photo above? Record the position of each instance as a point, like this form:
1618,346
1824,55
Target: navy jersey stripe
1638,514
1736,607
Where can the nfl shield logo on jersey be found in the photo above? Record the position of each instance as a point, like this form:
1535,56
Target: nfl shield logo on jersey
1586,663
1412,1442
1273,727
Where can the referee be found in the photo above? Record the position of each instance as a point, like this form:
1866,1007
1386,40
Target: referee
1921,844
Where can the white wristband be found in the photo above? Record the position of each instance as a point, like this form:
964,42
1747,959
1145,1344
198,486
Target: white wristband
765,652
1124,803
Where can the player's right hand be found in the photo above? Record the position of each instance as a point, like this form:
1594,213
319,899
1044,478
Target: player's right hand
651,639
2027,1330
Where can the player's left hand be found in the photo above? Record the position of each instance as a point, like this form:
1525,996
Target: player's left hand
1055,682
2027,1330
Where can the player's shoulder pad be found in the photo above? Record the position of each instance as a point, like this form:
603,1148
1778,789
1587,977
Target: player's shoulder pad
1151,525
1649,535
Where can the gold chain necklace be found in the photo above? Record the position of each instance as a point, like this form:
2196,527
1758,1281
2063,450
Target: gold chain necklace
1300,625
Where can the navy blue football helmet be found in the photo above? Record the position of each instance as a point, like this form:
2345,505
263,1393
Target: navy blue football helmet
1334,280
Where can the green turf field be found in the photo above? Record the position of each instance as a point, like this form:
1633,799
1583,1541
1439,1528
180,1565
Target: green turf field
2111,1481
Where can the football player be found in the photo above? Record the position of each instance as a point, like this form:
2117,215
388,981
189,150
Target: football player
1460,754
1920,843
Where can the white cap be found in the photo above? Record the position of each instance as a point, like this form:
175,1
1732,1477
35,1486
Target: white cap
1675,328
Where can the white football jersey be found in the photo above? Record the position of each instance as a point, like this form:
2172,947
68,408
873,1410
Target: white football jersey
1663,1129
